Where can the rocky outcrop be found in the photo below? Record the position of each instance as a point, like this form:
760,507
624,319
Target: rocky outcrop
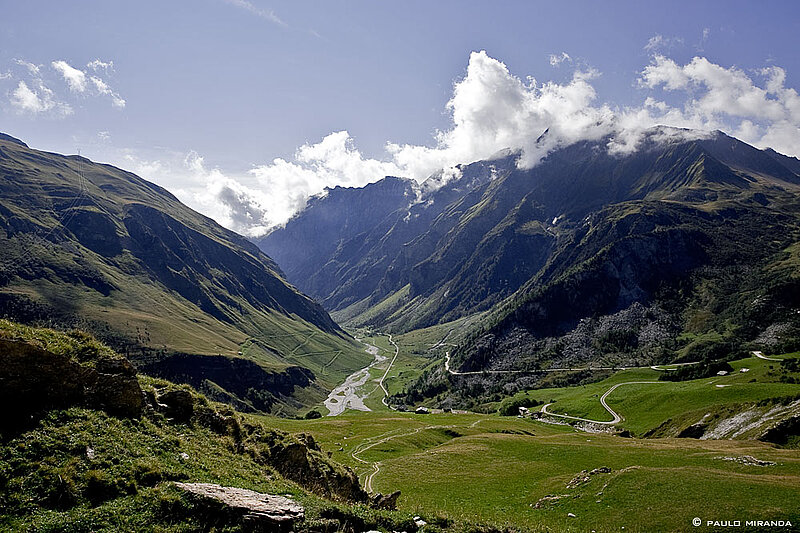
243,509
176,404
34,380
300,459
385,501
776,421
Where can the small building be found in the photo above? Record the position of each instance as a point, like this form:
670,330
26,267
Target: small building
743,370
524,411
722,373
421,410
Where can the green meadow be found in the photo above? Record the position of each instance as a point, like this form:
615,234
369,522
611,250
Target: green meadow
518,473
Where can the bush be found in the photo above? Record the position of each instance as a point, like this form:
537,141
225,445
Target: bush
510,406
313,414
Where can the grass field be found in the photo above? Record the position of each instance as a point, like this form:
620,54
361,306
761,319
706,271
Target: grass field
645,406
513,472
494,470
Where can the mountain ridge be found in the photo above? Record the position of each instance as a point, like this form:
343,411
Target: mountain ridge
530,207
542,257
93,246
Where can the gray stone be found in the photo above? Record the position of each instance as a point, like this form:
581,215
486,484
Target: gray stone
253,511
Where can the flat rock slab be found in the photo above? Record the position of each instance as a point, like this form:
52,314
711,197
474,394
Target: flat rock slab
252,505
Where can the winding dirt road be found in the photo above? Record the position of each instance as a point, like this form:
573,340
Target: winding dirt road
568,369
388,368
617,418
764,357
372,442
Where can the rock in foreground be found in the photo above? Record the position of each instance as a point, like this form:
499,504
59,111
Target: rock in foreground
254,511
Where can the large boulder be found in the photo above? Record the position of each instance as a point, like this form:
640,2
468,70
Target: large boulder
244,509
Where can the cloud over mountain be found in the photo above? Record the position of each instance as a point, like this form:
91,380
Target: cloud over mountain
492,109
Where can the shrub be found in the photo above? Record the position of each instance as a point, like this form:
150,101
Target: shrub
510,406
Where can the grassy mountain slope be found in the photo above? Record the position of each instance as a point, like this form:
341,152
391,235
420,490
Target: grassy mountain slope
71,465
92,245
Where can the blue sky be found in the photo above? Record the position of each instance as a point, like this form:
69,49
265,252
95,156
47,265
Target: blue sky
246,107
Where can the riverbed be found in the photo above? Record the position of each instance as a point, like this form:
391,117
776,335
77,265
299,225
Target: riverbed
349,395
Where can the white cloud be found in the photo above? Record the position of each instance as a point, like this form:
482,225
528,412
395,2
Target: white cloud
729,99
32,69
331,162
97,65
236,206
556,59
37,100
659,42
103,89
266,14
35,95
76,79
208,190
491,110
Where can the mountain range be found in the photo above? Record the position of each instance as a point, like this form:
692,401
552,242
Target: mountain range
688,243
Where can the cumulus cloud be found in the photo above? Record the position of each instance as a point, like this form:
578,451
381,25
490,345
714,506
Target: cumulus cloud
223,197
331,162
76,79
35,92
236,206
716,97
491,109
38,100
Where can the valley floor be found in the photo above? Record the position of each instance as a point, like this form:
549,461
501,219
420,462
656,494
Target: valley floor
548,475
530,475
